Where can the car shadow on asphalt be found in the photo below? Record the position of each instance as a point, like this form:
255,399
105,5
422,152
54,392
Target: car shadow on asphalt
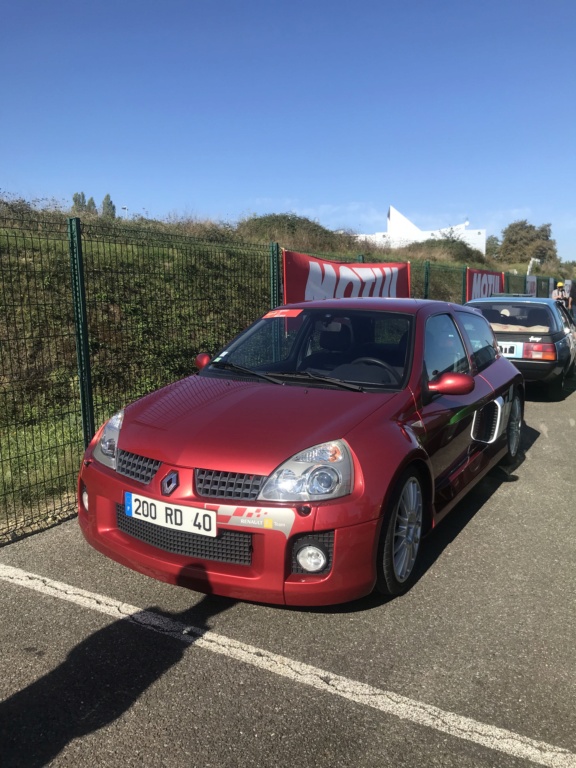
100,679
537,392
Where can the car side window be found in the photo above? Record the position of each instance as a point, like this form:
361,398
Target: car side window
444,351
566,319
481,338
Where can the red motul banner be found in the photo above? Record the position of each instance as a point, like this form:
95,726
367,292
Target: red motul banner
481,284
307,278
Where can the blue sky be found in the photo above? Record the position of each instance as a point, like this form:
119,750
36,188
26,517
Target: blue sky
330,109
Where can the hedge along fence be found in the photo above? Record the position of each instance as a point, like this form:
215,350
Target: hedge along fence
71,357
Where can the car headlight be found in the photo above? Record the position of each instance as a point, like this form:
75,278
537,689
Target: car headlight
107,447
321,472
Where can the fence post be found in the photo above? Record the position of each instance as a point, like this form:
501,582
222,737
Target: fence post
426,279
464,275
81,327
274,275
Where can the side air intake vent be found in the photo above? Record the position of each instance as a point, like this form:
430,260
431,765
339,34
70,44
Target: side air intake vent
488,422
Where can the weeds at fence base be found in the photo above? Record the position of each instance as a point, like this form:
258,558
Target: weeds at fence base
48,513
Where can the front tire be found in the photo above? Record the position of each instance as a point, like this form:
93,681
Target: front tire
399,545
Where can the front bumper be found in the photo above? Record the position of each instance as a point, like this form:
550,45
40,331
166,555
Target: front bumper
251,559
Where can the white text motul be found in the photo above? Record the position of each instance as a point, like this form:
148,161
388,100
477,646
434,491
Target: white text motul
326,281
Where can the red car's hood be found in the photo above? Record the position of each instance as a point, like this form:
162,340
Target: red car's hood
237,426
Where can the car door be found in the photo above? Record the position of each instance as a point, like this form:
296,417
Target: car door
448,420
569,327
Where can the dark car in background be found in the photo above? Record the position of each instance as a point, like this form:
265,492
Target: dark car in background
536,334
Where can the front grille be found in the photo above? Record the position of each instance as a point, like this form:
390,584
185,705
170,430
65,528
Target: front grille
136,467
325,538
228,485
228,547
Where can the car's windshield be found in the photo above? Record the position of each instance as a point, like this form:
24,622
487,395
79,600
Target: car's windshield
315,347
517,317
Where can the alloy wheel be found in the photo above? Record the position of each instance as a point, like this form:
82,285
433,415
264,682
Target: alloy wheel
514,426
407,529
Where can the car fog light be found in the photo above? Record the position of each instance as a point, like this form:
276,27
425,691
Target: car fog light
85,498
312,558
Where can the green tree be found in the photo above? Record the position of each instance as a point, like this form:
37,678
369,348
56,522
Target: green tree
492,247
522,241
108,208
91,206
78,202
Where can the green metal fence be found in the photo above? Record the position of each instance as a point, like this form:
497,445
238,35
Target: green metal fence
439,281
140,308
93,316
40,420
153,302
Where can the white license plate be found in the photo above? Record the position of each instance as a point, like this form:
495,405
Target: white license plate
511,349
176,516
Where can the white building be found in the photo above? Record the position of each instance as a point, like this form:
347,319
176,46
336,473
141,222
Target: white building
402,232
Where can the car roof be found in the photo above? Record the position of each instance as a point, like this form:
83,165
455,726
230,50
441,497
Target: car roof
508,298
410,306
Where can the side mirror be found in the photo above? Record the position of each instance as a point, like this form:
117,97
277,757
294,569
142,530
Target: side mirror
202,360
452,384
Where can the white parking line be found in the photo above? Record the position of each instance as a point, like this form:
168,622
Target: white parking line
391,703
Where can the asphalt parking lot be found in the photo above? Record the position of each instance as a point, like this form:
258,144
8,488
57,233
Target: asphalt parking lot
473,667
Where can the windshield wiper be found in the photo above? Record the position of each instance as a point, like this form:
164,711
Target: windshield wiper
276,375
226,364
317,377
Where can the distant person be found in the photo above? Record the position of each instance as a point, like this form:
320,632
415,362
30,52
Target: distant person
559,293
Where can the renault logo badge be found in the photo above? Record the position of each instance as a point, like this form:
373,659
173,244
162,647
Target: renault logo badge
169,483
